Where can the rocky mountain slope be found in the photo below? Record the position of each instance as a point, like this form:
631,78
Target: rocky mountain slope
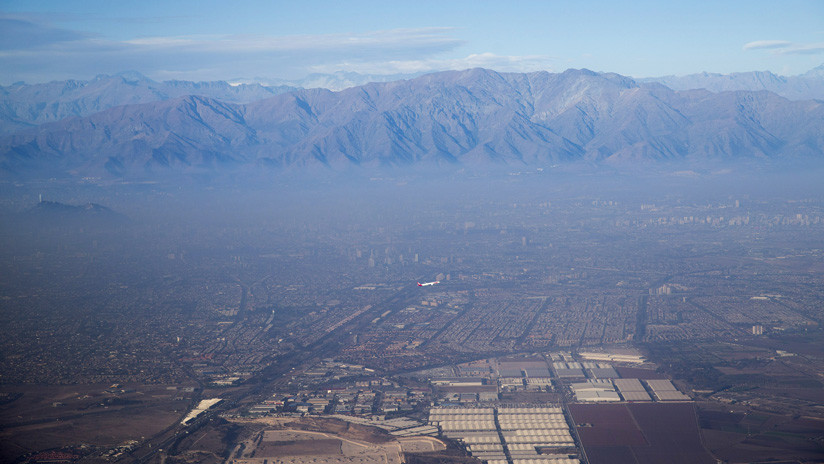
465,117
23,106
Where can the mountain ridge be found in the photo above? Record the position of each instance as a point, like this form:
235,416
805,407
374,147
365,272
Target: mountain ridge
807,86
467,117
24,106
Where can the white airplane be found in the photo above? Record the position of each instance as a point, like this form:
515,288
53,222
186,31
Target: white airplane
426,284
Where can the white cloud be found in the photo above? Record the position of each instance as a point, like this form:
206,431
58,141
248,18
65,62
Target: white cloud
163,42
437,38
207,57
525,63
60,54
803,49
760,44
783,47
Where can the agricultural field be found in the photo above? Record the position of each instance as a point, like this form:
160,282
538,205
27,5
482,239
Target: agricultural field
738,434
640,433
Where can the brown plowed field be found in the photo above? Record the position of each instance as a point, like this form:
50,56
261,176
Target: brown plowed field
612,425
640,433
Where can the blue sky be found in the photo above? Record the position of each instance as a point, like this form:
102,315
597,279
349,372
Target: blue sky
42,40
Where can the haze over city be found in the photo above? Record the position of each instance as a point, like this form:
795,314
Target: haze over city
411,232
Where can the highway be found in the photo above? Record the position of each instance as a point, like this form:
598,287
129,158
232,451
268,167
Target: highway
267,380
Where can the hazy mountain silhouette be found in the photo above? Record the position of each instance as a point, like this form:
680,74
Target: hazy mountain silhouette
465,117
807,86
23,105
53,214
336,81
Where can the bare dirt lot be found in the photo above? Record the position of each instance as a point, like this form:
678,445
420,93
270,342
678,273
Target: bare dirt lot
299,447
49,417
344,429
330,441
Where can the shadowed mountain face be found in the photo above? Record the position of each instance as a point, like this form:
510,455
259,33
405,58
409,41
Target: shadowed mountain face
461,117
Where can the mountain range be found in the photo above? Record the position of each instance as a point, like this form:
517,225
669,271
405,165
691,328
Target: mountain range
336,81
23,106
807,86
470,117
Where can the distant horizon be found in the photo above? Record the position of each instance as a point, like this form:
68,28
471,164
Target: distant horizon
277,80
207,41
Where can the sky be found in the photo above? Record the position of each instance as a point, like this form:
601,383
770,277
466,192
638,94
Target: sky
45,40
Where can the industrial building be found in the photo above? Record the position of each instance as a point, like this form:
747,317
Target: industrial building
595,391
600,370
664,390
631,390
547,459
458,381
511,383
525,431
568,370
624,355
538,383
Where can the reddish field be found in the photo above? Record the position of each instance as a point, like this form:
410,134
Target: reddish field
640,433
612,425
